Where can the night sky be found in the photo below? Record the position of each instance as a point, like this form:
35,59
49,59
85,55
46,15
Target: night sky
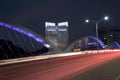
33,14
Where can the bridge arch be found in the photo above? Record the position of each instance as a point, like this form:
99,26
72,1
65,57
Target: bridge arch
114,45
82,42
98,41
30,34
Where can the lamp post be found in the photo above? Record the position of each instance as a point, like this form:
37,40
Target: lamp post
96,24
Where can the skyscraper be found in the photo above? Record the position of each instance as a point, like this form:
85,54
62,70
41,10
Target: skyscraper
57,34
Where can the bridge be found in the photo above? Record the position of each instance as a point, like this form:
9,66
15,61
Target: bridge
26,55
22,42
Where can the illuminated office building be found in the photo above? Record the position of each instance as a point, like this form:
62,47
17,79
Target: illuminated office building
110,34
57,34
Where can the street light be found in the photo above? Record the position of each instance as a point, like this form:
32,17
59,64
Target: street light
106,18
87,21
96,24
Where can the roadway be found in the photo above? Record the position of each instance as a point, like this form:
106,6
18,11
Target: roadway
108,71
79,67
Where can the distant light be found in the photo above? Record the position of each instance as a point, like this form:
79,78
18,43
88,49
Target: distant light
104,38
111,35
87,21
106,18
47,45
62,29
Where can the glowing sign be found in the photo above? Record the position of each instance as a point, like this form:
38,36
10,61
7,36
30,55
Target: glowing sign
63,24
49,24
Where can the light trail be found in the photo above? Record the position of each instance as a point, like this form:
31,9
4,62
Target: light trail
63,68
25,59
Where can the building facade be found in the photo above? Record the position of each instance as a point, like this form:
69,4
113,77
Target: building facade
110,35
57,33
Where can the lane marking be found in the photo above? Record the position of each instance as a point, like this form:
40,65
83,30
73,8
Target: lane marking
118,77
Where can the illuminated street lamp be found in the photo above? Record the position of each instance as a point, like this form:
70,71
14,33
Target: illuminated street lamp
87,21
106,18
96,24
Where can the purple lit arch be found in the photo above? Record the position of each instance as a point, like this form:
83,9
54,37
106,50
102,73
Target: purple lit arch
115,45
36,38
98,40
71,46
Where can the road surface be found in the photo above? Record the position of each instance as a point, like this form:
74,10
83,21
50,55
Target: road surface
80,67
108,71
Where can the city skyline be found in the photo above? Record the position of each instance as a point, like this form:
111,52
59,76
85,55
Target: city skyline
32,14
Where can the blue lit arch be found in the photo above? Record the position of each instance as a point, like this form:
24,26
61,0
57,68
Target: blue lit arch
22,31
98,40
71,46
115,45
30,34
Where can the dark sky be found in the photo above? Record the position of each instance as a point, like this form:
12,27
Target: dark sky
33,14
